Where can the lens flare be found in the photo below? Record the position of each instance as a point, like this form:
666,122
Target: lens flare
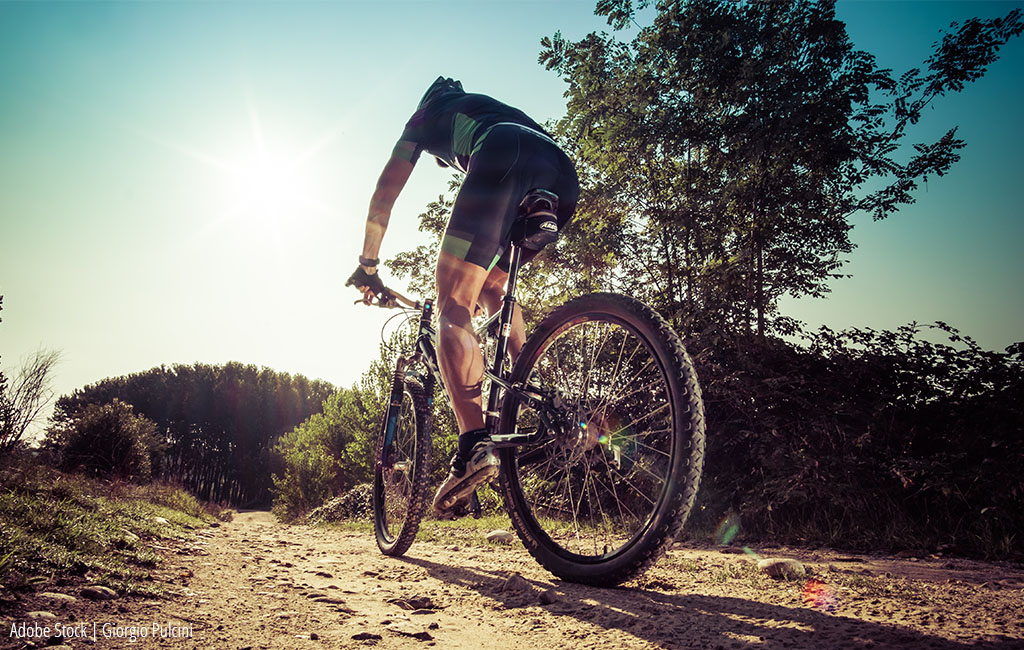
727,530
816,594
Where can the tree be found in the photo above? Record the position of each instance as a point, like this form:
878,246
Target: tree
219,423
23,401
109,441
722,153
725,148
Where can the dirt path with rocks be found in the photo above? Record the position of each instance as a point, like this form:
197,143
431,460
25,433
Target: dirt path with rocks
254,583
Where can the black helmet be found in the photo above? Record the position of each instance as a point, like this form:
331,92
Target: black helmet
441,86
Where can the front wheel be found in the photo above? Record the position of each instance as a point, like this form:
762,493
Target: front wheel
402,470
611,483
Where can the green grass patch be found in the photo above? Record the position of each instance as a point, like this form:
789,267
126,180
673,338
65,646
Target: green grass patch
734,571
466,531
348,525
59,526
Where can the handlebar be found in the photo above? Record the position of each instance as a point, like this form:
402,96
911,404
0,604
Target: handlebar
391,299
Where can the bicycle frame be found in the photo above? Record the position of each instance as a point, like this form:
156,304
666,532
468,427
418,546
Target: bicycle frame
425,354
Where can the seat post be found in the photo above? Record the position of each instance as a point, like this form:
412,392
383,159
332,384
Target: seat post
513,276
504,329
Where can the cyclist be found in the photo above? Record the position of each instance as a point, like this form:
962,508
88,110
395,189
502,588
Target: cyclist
504,154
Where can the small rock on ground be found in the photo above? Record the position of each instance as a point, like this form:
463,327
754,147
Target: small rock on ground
500,537
60,598
366,636
411,632
99,592
516,583
41,615
782,568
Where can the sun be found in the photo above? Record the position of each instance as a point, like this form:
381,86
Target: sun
265,184
266,187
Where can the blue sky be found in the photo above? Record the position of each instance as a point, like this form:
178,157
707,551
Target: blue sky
187,181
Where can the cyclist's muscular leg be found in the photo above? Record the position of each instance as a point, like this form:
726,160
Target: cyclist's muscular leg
491,297
462,363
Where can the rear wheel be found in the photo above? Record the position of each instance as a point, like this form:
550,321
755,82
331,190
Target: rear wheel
402,471
612,485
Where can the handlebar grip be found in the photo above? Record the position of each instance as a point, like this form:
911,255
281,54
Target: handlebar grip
389,299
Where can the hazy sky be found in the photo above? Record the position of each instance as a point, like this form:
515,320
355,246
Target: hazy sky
188,181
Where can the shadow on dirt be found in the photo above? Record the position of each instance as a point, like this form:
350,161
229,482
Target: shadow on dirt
699,621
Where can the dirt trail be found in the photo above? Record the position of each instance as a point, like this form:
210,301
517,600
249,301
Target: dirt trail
254,583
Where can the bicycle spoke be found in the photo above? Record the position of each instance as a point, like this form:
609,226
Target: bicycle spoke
622,397
599,499
618,502
592,482
628,383
653,450
639,419
597,353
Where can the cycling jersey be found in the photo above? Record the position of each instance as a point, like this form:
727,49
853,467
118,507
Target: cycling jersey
504,154
452,127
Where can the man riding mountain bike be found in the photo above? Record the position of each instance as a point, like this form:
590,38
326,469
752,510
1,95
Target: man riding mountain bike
504,155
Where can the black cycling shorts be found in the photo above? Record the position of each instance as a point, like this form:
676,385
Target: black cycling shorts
510,161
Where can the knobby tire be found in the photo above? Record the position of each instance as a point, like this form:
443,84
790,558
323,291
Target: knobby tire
597,477
400,496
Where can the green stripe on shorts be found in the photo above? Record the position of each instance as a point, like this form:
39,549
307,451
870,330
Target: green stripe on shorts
456,246
459,247
483,136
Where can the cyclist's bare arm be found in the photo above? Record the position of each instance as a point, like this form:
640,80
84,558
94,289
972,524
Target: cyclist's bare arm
392,179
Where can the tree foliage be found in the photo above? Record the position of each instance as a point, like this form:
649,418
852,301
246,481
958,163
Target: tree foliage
329,453
723,153
218,422
725,148
868,439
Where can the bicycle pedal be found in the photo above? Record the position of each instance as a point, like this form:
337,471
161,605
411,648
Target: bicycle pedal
461,510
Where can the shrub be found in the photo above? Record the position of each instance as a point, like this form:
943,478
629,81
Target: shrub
327,454
357,504
108,441
867,439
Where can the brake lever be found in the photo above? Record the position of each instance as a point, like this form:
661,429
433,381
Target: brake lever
385,301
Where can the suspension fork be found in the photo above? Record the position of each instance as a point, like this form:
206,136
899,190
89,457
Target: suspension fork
398,381
394,405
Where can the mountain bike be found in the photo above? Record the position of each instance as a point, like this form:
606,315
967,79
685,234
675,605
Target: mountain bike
599,425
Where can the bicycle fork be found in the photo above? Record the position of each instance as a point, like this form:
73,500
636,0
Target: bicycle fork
398,384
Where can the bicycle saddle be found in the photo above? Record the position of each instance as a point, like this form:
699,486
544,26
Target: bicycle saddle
537,223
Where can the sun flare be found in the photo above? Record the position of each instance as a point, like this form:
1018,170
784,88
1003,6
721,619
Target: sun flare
262,181
266,187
